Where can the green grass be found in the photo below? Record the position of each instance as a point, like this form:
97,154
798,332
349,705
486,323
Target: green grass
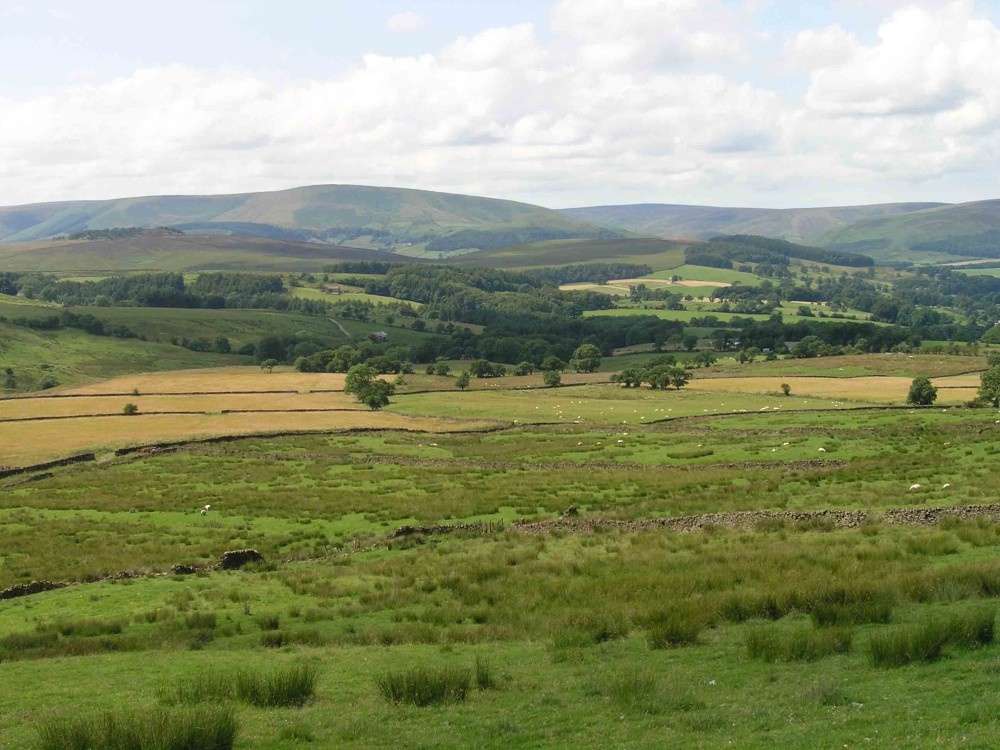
72,356
927,641
292,686
705,273
658,254
196,729
772,644
508,636
425,686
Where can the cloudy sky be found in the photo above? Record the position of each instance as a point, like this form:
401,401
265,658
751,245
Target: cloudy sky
766,103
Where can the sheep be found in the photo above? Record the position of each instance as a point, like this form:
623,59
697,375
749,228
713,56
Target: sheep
914,486
946,485
822,450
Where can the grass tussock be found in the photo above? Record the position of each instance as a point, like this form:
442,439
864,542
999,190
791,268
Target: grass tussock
774,644
291,686
639,691
201,728
927,641
672,628
425,686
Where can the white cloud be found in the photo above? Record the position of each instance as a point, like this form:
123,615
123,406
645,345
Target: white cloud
628,100
821,48
404,22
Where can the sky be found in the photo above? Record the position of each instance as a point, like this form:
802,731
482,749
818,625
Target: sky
758,103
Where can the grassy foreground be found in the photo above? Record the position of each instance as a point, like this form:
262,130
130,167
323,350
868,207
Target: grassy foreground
785,629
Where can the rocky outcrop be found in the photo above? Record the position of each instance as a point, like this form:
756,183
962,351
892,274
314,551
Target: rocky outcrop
236,559
26,589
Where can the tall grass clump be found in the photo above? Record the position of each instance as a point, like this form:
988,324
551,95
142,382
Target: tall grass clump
485,677
425,686
856,613
291,686
926,641
202,728
672,628
799,644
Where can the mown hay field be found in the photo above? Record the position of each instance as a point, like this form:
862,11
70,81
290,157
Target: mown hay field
605,404
865,389
214,380
207,403
852,365
24,443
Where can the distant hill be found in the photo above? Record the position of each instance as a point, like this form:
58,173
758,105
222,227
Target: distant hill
179,253
656,253
940,233
418,221
806,225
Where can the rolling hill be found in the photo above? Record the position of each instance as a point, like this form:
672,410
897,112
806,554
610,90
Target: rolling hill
386,218
805,225
179,253
941,233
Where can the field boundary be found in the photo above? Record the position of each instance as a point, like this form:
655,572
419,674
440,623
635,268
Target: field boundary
759,520
13,471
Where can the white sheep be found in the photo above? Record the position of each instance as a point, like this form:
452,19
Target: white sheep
914,486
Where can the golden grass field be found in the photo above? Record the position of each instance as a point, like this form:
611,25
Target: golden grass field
284,400
24,443
20,408
880,389
214,380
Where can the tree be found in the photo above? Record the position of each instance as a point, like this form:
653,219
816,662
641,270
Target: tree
269,364
130,409
586,358
363,383
630,377
462,381
922,392
552,362
482,368
989,386
525,368
679,377
343,359
786,389
551,378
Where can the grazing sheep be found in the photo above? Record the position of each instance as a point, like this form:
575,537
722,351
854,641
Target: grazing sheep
946,485
822,450
914,486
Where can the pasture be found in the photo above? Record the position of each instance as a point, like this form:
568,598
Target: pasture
715,566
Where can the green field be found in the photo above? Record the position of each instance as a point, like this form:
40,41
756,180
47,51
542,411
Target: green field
71,356
659,254
705,273
980,271
629,635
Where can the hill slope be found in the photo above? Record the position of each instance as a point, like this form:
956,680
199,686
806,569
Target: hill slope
368,216
931,234
702,222
179,253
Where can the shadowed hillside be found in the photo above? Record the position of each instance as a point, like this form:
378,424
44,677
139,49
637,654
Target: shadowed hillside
385,218
941,233
702,222
179,253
